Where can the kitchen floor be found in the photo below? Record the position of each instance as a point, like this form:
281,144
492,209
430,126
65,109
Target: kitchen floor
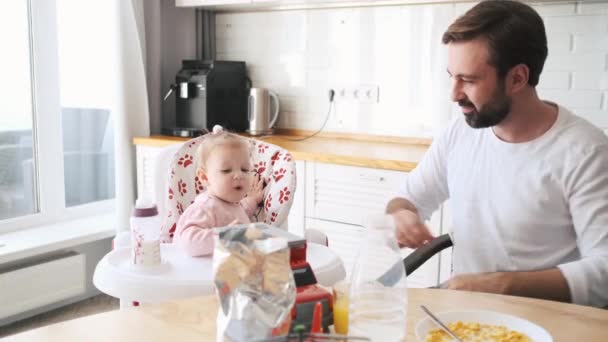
93,305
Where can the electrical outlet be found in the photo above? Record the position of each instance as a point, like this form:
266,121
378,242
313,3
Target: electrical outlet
367,93
361,93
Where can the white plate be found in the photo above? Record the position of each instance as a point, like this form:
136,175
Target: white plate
535,332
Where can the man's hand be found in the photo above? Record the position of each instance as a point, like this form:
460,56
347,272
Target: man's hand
256,192
495,282
409,229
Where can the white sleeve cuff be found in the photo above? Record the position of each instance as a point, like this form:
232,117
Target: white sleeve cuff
577,282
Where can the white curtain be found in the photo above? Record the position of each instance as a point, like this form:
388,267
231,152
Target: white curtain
131,112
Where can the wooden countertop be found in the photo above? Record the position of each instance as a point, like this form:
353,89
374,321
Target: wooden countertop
194,319
391,153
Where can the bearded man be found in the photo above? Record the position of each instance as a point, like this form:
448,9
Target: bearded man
527,179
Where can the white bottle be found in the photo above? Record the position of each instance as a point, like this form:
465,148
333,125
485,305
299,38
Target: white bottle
145,234
378,293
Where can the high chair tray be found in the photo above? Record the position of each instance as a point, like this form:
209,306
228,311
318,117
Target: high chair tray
183,276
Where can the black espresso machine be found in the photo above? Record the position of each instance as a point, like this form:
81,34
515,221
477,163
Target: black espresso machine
208,93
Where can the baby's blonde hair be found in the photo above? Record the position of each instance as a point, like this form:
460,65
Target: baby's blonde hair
215,139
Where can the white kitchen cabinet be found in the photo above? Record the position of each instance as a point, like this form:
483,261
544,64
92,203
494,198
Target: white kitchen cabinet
343,239
348,194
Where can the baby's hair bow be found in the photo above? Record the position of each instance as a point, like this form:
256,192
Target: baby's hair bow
217,129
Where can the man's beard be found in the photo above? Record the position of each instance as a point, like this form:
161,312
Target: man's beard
491,114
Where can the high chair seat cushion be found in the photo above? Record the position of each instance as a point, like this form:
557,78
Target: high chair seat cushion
273,163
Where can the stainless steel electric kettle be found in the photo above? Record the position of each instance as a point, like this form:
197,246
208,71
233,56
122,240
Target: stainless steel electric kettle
258,111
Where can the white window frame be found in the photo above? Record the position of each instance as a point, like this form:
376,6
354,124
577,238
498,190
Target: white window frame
47,129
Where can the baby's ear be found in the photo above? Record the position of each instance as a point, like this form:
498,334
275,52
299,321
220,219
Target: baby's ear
200,173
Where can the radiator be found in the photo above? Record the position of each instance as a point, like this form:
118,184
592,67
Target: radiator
44,282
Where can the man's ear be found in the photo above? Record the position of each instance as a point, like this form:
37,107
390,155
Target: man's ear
517,78
200,173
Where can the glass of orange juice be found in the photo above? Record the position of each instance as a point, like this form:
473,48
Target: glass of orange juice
340,291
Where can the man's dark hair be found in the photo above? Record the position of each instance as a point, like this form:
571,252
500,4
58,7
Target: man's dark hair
515,34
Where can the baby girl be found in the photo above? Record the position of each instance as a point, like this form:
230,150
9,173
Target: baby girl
232,192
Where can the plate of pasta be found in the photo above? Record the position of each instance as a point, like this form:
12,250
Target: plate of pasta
482,326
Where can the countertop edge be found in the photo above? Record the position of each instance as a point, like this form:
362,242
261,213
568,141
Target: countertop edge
322,156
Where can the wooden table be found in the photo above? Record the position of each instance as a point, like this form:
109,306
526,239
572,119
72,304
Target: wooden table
194,319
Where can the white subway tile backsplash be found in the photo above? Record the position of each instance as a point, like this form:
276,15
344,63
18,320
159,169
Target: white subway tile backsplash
581,99
300,54
554,80
576,62
553,9
590,7
591,42
577,24
461,8
590,80
559,43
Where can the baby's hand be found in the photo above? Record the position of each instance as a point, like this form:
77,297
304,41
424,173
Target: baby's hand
235,222
256,192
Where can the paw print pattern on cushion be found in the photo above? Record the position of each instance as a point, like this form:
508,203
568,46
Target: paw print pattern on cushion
279,174
284,195
198,185
180,208
268,202
185,161
273,217
275,157
260,167
170,194
181,186
172,230
287,157
262,148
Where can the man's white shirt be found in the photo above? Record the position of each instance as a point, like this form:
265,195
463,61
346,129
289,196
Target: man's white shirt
524,206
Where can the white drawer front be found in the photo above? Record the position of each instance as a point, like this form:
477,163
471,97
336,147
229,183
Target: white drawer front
348,194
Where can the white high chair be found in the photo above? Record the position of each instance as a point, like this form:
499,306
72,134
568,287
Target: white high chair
273,163
175,279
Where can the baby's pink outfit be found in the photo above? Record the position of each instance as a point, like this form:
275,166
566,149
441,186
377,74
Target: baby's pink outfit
193,232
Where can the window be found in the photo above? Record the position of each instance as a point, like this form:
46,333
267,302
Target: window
85,76
56,128
17,188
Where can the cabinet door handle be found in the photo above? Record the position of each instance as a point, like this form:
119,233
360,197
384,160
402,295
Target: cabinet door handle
373,178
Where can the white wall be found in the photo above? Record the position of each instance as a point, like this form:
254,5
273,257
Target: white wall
301,54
